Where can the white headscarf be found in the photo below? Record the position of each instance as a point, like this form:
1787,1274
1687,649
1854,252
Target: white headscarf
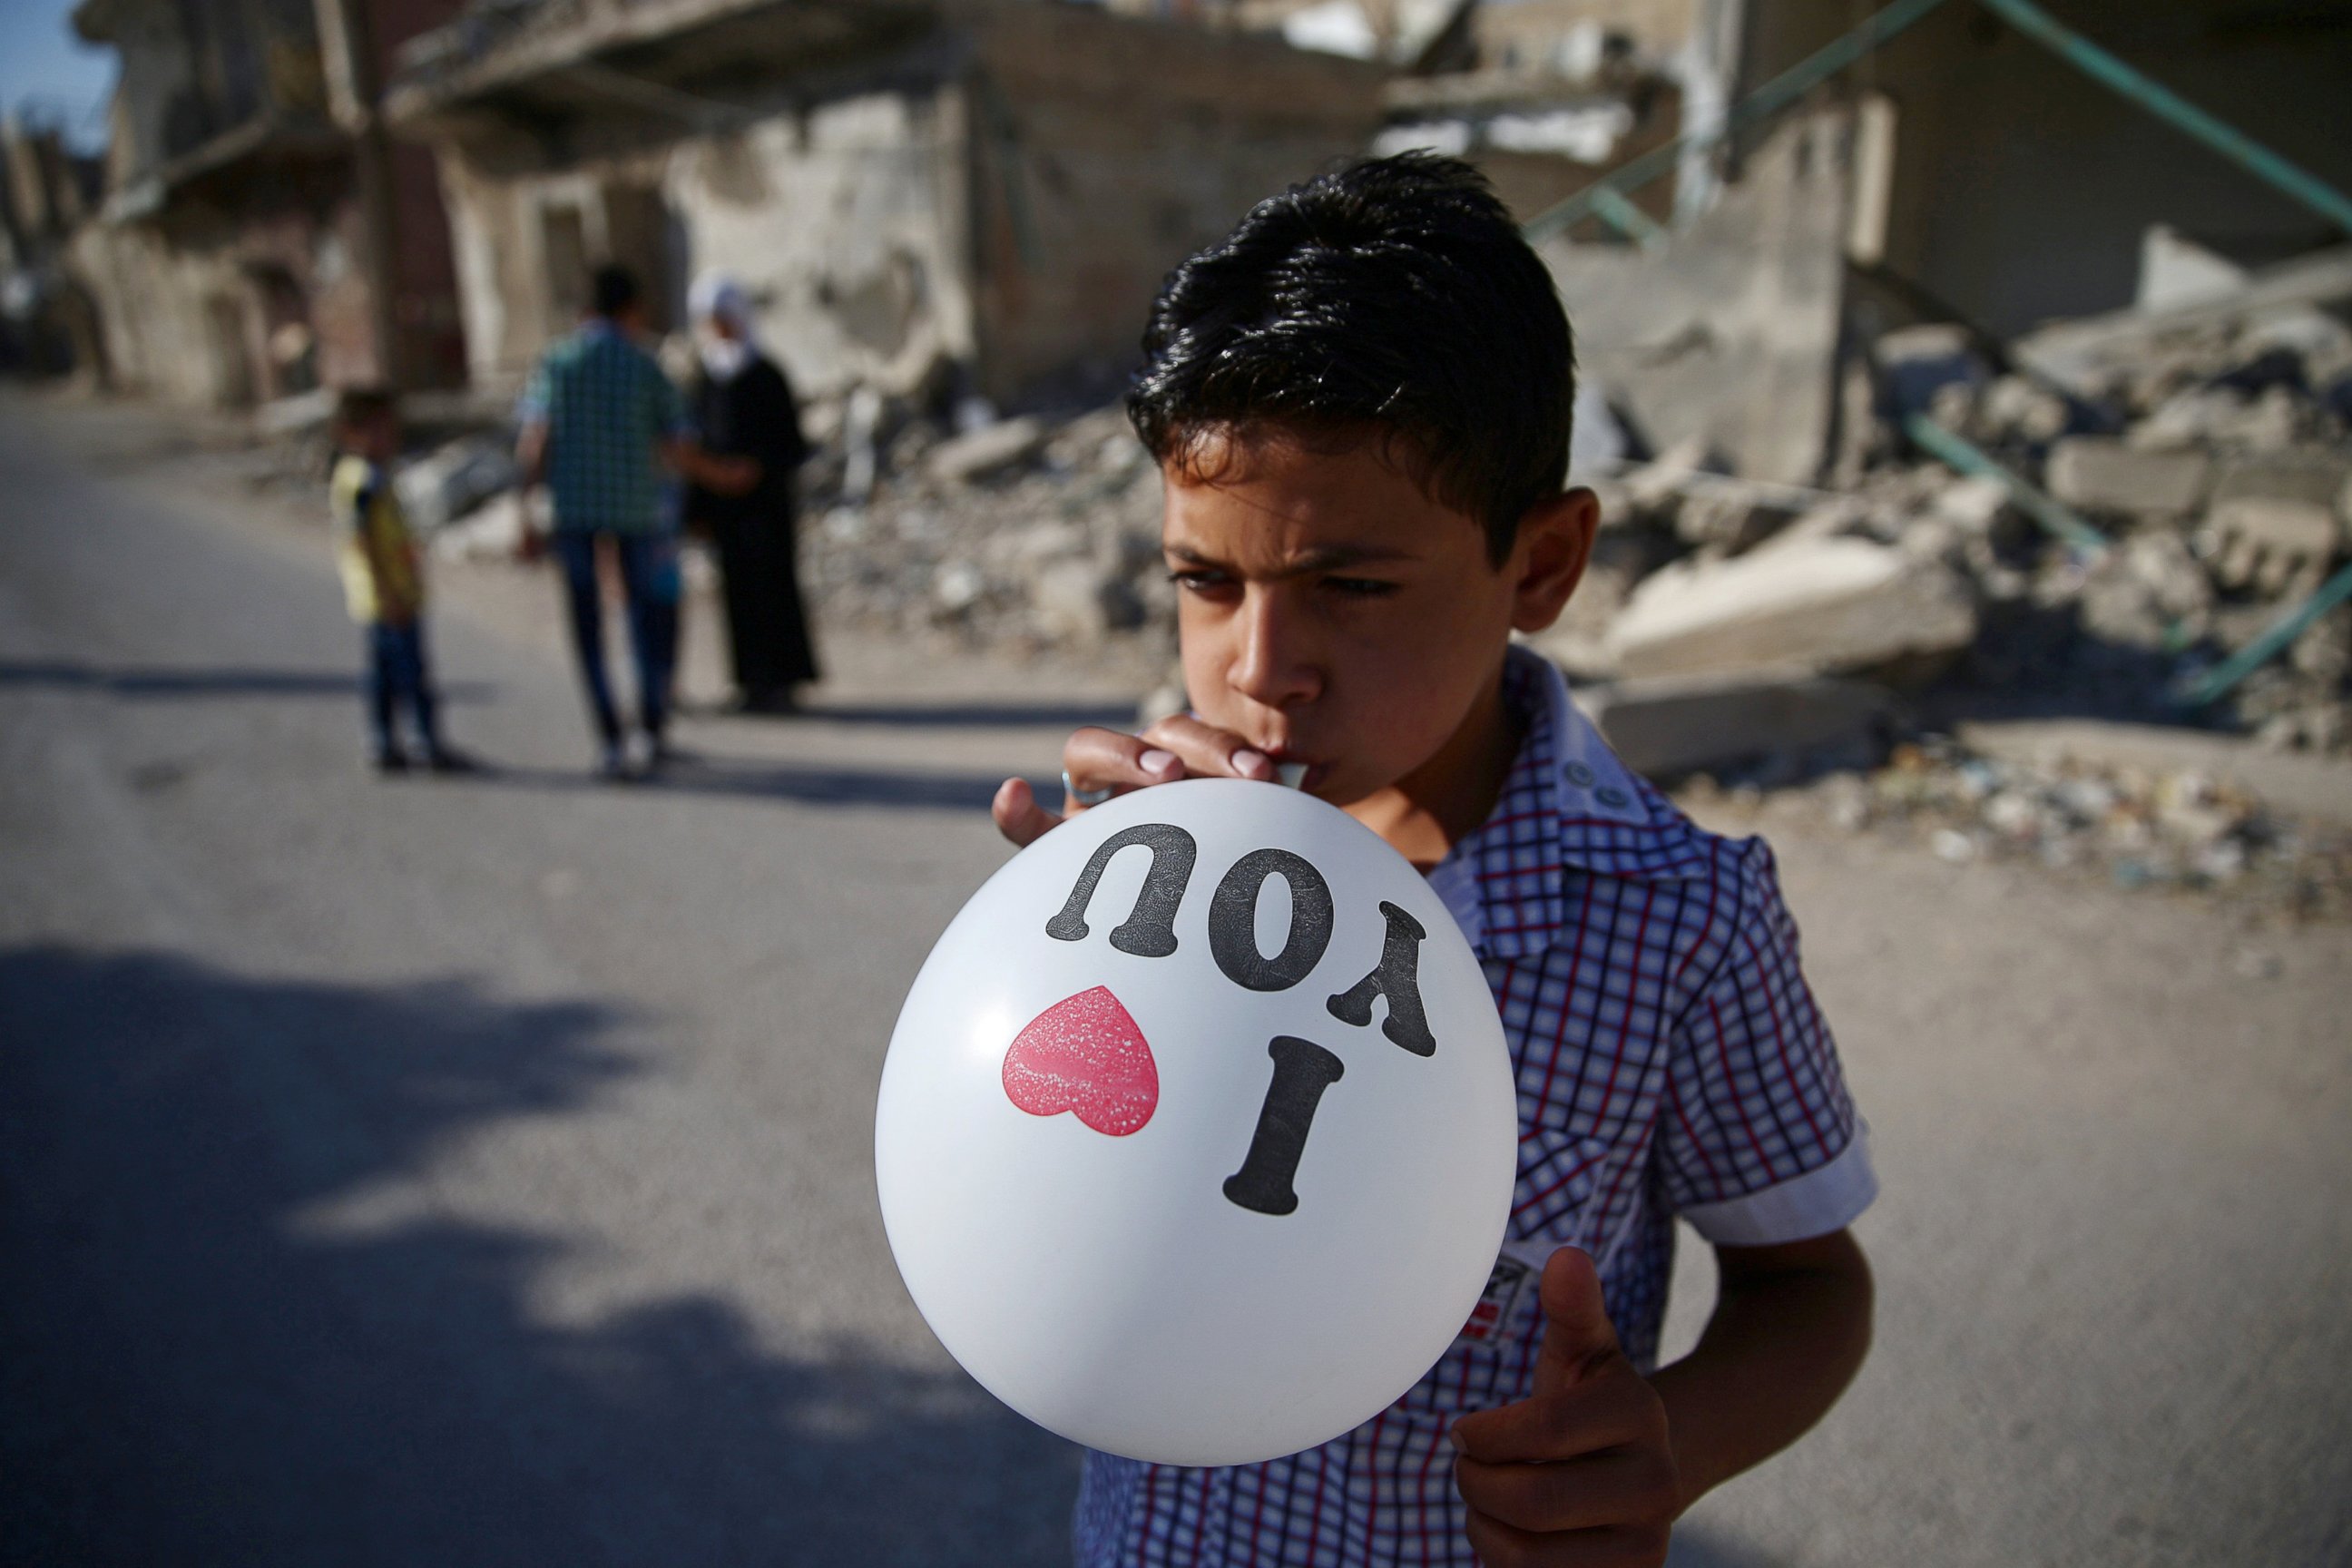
716,297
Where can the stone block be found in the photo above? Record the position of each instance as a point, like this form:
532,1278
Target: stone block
2315,477
2273,545
1670,725
1080,600
1821,607
2098,473
449,482
990,449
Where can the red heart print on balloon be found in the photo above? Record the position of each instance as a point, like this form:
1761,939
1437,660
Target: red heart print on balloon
1084,1054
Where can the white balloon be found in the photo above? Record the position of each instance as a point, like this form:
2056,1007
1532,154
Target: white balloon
1144,1179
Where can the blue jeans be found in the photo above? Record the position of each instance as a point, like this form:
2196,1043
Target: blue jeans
397,677
649,581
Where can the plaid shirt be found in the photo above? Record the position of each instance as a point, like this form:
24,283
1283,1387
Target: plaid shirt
1670,1061
607,407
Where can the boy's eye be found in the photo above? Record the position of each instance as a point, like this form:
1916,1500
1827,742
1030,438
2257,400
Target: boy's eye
1199,580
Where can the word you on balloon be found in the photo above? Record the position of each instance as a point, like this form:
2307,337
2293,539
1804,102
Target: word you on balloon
1085,1054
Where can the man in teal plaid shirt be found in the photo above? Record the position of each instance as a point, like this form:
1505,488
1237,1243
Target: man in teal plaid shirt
600,425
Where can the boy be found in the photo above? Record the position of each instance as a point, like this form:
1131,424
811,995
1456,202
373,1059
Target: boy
1359,404
382,581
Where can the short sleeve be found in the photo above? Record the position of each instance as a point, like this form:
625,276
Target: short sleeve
533,407
1760,1143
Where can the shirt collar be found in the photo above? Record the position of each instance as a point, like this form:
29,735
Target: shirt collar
1568,801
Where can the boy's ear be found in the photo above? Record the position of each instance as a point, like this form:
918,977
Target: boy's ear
1548,558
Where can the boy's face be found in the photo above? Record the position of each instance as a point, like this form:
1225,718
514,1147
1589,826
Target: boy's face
1332,613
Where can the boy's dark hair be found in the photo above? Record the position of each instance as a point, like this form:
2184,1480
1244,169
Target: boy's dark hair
1394,296
357,407
612,290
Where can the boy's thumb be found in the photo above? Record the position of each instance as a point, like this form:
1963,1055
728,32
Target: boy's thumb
1577,1330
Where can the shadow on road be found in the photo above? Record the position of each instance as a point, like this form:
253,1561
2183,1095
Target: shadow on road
977,715
1696,1546
163,683
808,783
240,1326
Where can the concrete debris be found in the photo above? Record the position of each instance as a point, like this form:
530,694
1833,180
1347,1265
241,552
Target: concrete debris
2100,474
449,482
1919,365
1825,606
987,451
1024,535
2177,829
2274,545
1725,615
1669,726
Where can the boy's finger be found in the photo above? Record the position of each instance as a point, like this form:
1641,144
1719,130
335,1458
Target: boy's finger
1576,1330
1105,759
1500,1545
1587,1419
1018,816
1577,1494
1206,750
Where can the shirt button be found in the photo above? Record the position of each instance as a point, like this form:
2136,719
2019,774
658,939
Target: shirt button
1609,794
1579,775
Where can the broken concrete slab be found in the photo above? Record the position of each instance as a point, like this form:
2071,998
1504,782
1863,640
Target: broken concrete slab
1080,601
2100,473
2317,788
990,449
2312,475
1730,329
1823,607
2272,544
2081,355
447,483
1671,725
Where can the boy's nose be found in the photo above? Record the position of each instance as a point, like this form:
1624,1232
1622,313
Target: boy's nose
1273,660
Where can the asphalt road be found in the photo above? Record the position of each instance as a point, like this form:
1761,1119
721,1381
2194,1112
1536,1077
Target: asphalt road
478,1172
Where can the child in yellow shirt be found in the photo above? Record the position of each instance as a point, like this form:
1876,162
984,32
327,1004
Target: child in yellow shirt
382,583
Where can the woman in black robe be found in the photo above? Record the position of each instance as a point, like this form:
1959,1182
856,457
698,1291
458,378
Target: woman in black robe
744,406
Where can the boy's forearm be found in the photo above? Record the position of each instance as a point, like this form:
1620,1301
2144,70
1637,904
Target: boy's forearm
1792,1325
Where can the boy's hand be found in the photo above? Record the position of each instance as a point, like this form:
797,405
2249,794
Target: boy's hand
1092,759
1580,1472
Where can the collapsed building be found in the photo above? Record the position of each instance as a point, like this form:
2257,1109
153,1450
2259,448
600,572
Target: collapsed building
934,201
259,237
48,324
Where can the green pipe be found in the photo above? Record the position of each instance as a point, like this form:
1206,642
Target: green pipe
2056,519
2170,106
1780,92
2221,677
1627,219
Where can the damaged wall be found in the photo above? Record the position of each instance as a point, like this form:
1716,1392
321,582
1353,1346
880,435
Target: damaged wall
208,305
837,220
1129,145
1003,195
1729,333
2022,188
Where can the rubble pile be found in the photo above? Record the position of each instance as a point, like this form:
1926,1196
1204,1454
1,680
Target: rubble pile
2136,829
1018,535
2217,466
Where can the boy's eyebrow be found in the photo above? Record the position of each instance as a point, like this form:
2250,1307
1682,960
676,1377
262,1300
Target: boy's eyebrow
1324,558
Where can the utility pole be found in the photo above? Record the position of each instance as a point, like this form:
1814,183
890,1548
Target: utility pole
354,96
